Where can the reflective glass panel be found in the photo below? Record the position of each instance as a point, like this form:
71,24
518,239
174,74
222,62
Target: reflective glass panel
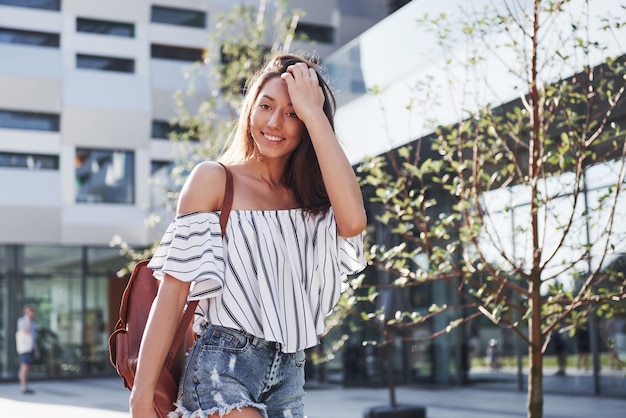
105,176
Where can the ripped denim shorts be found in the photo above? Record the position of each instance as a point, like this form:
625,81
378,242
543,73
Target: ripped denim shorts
229,369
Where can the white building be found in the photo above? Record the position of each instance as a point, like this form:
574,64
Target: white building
85,99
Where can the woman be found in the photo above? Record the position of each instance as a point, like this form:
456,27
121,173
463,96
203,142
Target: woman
293,235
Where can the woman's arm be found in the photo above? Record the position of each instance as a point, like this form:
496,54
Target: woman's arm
203,191
155,344
341,184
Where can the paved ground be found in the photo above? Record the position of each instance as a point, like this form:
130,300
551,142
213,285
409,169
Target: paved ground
106,397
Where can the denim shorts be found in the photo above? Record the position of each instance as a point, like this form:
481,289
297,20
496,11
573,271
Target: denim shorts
229,369
27,358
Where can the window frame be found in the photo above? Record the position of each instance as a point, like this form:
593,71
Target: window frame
104,27
176,53
323,34
25,37
38,161
54,5
115,64
163,130
159,14
103,157
19,119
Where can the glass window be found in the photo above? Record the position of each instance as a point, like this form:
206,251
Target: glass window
105,176
13,119
162,129
51,282
103,27
318,33
161,167
163,185
103,294
394,5
95,62
176,53
181,17
105,261
26,37
76,294
29,161
35,4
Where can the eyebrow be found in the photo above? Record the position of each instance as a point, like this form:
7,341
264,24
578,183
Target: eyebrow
265,96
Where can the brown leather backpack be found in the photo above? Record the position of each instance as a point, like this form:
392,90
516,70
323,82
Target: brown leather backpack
135,306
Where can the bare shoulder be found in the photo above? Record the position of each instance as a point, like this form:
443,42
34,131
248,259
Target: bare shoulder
204,188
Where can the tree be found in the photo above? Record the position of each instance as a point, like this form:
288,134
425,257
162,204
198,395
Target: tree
505,205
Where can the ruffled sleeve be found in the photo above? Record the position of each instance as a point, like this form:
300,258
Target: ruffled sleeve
335,258
192,250
350,255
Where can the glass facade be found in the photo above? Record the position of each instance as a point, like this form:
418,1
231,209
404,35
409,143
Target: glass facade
105,176
317,33
29,161
76,294
179,17
163,186
35,4
103,27
100,63
176,53
600,338
37,121
27,37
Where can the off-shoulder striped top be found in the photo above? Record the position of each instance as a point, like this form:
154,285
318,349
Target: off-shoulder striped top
276,274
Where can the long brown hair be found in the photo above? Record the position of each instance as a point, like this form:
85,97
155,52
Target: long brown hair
302,174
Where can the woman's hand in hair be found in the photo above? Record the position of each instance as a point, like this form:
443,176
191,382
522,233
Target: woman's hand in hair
305,92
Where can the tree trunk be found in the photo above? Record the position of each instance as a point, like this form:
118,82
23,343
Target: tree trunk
388,353
535,357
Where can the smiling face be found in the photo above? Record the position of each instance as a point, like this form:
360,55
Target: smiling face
275,128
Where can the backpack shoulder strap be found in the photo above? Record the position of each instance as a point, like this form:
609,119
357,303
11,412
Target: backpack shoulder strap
191,307
228,199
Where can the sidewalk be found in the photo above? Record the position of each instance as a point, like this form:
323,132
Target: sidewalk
106,397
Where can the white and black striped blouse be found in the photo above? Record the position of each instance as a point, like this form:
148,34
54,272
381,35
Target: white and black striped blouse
276,274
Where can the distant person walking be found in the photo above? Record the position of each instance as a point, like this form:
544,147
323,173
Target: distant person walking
583,344
560,348
26,344
493,354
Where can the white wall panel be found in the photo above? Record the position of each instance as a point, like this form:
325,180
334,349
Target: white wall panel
30,61
111,128
169,75
34,142
22,187
98,224
162,150
189,4
178,36
117,10
163,106
29,225
30,19
142,176
67,171
30,94
100,89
